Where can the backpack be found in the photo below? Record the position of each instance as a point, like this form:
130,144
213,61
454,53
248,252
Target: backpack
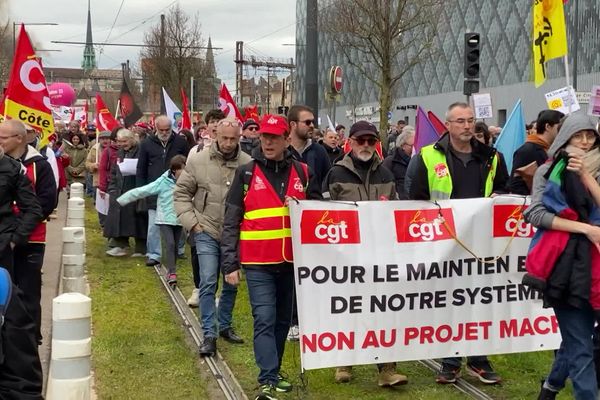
5,296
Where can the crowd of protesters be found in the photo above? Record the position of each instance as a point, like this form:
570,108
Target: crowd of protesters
236,178
223,188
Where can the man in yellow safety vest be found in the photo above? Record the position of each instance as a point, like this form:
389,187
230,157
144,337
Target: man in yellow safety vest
458,166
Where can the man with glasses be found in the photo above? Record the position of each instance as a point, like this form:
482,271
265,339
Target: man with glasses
249,139
199,200
15,189
154,157
361,176
302,125
458,166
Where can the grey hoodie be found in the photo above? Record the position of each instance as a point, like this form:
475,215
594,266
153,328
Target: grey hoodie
536,213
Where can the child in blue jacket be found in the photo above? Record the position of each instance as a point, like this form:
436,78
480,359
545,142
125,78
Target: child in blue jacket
166,218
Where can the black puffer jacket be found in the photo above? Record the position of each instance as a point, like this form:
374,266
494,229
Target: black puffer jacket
16,187
154,159
277,173
398,164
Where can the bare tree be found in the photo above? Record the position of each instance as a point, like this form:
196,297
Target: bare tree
383,39
174,51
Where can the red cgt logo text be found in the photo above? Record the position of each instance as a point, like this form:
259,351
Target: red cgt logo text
509,221
329,227
423,225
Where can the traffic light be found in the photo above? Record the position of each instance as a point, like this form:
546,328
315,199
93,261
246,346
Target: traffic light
471,86
471,63
472,52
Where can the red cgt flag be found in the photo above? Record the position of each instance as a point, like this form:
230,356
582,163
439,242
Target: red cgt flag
104,119
186,121
227,105
252,113
26,98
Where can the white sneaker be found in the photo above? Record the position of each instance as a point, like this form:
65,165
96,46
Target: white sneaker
138,255
194,299
294,333
116,252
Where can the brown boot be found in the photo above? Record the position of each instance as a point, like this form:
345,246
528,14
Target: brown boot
389,377
343,374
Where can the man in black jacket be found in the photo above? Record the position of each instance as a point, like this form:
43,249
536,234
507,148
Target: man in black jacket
15,187
330,144
470,165
20,367
249,139
29,257
458,166
155,154
252,238
302,125
535,148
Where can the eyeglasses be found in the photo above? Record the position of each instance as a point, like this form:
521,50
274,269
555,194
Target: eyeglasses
228,123
163,130
462,121
308,122
252,128
361,141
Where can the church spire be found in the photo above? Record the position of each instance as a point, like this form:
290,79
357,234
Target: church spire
210,60
89,55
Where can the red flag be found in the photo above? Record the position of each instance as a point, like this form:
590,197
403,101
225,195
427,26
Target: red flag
104,119
129,111
27,98
227,105
437,123
252,112
186,121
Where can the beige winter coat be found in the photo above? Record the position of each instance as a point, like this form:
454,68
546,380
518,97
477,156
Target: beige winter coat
200,192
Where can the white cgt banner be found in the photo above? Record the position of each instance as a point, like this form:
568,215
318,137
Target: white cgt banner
386,281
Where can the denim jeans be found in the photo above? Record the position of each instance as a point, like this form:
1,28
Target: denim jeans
575,357
271,291
457,361
153,249
209,260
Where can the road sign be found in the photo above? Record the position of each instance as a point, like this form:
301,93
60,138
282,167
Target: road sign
336,79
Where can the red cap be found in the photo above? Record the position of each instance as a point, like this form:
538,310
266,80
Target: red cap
273,124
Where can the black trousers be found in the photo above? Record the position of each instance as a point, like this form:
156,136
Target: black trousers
7,259
20,367
28,261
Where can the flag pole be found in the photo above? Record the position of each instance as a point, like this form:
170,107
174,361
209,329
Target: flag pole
192,100
118,108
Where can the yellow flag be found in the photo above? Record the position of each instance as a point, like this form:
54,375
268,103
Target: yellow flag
549,35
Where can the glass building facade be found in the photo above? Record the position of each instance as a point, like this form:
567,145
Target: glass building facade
506,61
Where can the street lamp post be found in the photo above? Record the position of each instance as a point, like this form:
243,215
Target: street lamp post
27,23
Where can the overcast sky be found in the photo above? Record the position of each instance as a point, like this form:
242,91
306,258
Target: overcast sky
263,25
